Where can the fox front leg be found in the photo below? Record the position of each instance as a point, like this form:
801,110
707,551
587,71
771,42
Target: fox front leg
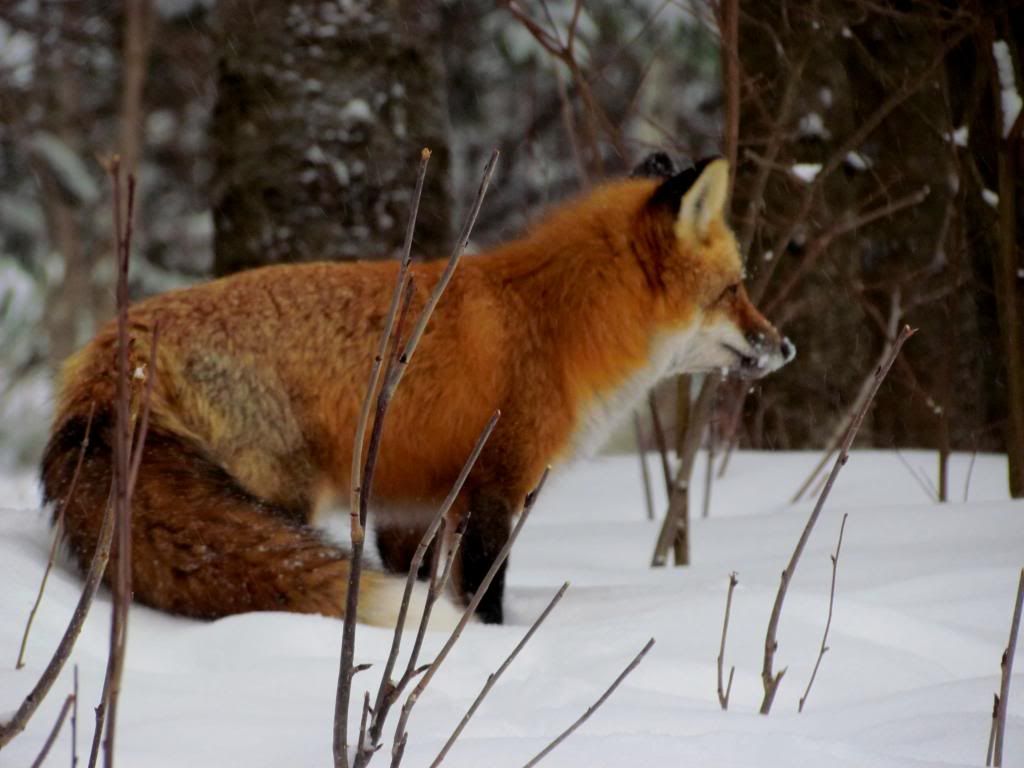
487,531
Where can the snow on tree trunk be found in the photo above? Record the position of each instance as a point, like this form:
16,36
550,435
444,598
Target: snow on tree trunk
322,110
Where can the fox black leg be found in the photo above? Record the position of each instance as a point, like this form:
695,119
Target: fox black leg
487,531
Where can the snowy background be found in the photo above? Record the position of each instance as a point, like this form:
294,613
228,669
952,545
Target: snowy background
922,615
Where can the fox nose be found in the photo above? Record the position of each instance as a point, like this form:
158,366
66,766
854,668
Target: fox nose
787,349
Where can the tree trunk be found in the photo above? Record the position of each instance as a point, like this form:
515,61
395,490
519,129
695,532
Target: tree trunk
320,119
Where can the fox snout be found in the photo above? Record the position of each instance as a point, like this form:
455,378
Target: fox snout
765,352
750,345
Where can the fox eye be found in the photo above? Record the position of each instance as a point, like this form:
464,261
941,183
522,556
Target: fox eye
730,291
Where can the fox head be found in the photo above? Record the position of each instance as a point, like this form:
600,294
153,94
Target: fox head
694,266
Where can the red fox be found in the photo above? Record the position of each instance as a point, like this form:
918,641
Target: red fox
259,379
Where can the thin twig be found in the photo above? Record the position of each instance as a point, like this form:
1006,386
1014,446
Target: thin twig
54,731
494,676
362,477
357,502
645,473
843,424
923,481
970,471
389,690
1007,666
864,129
346,663
74,722
675,528
769,678
58,523
723,692
661,441
593,707
828,621
400,730
129,440
709,474
16,724
992,730
375,372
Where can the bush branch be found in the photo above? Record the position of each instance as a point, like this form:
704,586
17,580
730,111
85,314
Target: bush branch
593,707
999,713
492,679
769,678
828,621
723,692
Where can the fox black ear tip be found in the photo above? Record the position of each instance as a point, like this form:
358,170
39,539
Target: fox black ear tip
657,165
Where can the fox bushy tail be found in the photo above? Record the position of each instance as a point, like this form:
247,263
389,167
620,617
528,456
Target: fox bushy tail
201,545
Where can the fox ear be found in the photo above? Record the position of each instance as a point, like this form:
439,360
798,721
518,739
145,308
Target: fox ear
704,201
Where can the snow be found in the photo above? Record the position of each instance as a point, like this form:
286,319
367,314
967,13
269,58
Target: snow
1009,96
811,126
923,601
17,54
960,135
806,171
858,161
356,111
990,197
69,168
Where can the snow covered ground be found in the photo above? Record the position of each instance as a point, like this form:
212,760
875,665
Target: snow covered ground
922,614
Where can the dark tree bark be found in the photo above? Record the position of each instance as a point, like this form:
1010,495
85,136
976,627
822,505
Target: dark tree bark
874,73
320,119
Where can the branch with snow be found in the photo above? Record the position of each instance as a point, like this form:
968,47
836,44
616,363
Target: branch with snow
1009,96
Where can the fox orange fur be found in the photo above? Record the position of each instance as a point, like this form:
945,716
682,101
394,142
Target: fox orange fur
259,379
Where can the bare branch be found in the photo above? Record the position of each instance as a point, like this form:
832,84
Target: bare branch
494,676
723,693
389,690
842,226
645,473
389,322
970,471
865,128
768,677
53,733
828,621
843,424
593,707
129,440
74,722
446,276
676,523
362,477
16,724
1007,667
400,730
661,441
56,536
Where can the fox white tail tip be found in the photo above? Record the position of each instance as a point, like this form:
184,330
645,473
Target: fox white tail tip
381,604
